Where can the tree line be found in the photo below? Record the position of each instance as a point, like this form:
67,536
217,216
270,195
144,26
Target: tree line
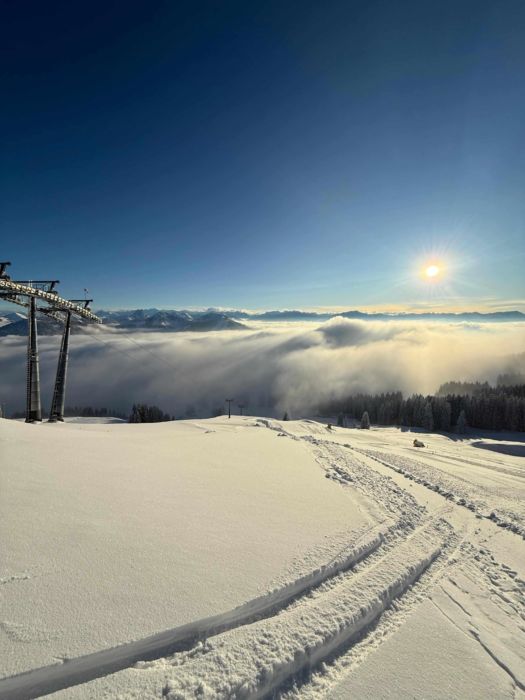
142,413
473,404
483,388
492,408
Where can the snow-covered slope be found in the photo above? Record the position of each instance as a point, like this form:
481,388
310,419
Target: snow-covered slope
11,317
251,558
114,532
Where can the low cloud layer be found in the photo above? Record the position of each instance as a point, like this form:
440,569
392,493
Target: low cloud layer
270,368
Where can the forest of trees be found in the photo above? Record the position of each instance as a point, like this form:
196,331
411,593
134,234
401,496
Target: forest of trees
504,381
141,413
455,406
490,408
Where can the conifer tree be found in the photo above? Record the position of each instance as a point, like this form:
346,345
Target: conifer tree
462,423
428,417
365,421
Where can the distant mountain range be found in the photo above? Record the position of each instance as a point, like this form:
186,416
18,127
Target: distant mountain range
296,315
137,320
154,318
15,323
157,320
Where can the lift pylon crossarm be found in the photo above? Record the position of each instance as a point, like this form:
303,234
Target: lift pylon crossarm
52,297
56,313
46,310
31,282
44,285
86,302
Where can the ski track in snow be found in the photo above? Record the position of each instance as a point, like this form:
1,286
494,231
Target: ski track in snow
488,593
302,637
269,657
258,660
499,600
504,512
51,678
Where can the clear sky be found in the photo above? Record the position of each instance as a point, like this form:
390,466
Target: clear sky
266,155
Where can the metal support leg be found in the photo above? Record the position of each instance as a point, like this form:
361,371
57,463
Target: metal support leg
59,393
33,409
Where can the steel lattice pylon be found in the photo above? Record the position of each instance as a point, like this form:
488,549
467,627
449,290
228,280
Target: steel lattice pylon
26,294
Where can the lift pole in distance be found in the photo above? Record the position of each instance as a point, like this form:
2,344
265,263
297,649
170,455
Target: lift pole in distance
229,402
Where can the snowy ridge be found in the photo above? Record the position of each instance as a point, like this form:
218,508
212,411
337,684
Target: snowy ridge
84,668
254,661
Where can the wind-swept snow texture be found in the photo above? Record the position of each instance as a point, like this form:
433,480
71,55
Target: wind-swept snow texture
411,594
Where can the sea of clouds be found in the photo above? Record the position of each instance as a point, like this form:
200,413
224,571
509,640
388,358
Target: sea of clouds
270,367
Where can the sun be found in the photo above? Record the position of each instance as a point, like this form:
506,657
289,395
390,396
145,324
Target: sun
432,271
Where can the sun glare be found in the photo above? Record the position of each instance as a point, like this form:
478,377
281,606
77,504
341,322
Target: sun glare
432,271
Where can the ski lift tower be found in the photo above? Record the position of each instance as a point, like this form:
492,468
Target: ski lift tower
26,293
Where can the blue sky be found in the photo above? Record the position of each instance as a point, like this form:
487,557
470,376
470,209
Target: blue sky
266,155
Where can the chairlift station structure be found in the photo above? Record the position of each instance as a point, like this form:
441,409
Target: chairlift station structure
27,293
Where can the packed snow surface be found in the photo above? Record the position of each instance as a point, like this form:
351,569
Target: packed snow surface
252,558
113,532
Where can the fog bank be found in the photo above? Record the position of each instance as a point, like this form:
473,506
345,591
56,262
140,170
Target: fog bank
271,368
